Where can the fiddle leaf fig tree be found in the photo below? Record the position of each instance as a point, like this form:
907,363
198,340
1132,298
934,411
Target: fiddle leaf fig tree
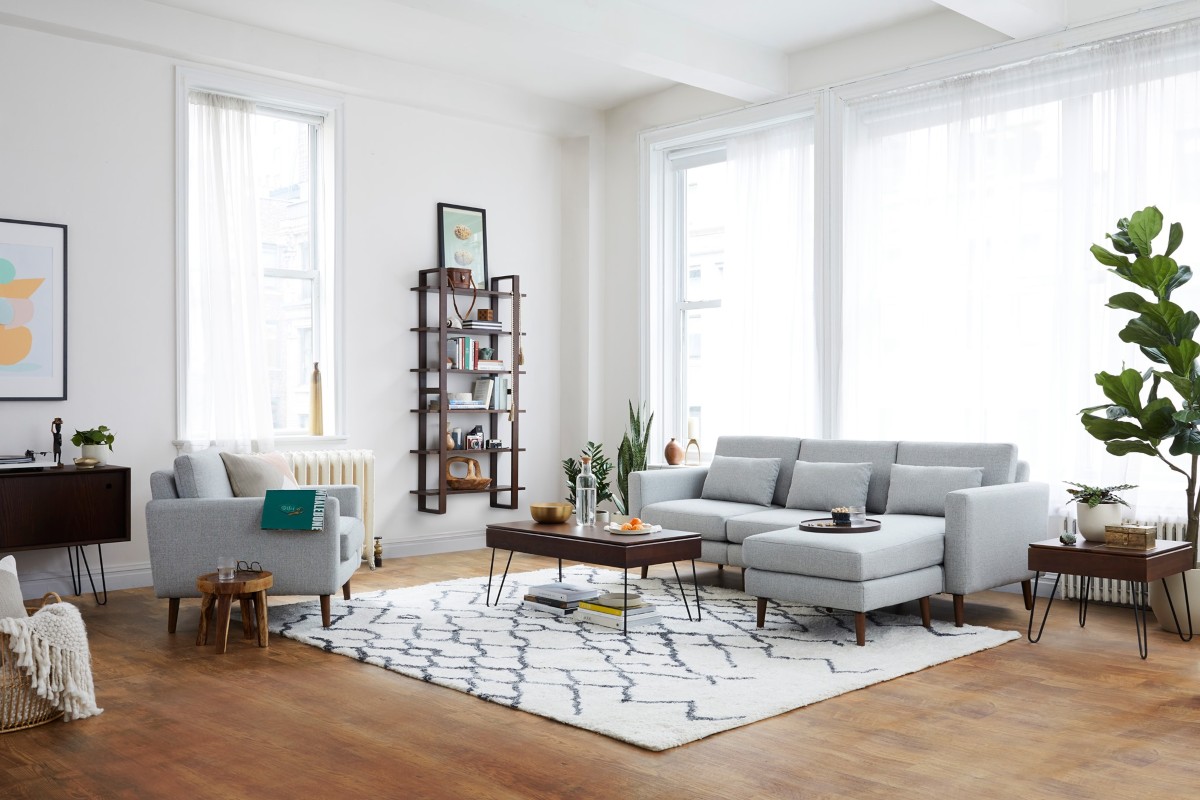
1159,407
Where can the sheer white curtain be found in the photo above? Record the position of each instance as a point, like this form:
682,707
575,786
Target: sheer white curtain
767,330
972,309
227,402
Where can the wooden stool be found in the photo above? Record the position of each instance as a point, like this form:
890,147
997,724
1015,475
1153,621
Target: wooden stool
250,588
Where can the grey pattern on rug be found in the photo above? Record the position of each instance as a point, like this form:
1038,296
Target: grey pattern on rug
660,686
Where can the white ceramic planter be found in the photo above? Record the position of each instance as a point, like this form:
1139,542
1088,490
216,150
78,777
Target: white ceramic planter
1162,609
1092,520
96,451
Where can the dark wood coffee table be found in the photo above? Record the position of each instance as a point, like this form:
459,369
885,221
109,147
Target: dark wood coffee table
1098,560
594,545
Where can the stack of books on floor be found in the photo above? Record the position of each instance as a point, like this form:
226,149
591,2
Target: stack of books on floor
613,609
559,599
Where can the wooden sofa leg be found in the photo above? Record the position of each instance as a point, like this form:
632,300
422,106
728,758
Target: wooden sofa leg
762,611
1027,592
925,616
645,571
172,613
346,590
860,628
958,610
721,576
325,610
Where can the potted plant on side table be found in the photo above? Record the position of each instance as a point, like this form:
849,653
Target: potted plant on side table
93,442
1098,507
1142,415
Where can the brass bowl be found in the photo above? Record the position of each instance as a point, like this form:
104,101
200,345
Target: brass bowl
86,463
550,512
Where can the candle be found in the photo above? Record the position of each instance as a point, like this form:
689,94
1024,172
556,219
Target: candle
693,425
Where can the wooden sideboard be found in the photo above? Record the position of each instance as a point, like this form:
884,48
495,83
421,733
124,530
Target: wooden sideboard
65,507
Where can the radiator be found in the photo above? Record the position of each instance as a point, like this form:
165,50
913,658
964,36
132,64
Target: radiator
333,467
1108,590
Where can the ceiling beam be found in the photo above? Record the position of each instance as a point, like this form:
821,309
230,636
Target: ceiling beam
630,35
1019,19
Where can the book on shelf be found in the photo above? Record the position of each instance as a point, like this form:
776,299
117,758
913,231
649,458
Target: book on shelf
631,612
467,405
490,365
564,591
609,621
481,391
535,605
476,325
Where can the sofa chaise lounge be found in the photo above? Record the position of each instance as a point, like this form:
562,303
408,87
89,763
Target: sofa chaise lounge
956,517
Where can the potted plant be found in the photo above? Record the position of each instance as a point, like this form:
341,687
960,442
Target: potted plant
1098,506
631,455
1158,409
93,442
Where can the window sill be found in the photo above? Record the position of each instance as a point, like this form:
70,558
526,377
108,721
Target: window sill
298,440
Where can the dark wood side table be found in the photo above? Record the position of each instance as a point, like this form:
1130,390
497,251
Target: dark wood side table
250,588
1095,560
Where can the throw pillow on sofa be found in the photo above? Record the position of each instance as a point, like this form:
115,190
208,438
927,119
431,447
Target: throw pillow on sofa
824,485
741,480
923,490
252,474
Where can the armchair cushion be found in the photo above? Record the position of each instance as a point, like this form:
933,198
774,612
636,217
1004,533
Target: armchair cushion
202,474
252,474
741,480
923,490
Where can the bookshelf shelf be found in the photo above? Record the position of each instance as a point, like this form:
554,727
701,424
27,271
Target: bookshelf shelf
436,344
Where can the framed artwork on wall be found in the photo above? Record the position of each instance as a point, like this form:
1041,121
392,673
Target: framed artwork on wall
33,310
462,240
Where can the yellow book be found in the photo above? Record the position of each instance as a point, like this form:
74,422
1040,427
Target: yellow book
600,608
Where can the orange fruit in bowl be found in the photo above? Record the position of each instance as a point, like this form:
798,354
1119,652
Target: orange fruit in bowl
635,522
627,527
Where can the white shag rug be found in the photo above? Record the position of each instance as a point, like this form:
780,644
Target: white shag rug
660,687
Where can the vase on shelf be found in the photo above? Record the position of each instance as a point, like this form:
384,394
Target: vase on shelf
673,453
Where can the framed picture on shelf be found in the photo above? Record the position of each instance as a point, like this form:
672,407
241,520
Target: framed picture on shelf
33,310
462,240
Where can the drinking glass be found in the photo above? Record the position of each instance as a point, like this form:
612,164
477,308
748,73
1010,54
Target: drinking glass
226,567
858,515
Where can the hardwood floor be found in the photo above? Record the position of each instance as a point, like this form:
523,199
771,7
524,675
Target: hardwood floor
1078,715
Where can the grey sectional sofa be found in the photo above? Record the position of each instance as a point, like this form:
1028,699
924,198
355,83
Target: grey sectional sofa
935,537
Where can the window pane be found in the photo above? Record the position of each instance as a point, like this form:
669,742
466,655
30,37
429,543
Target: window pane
288,312
704,231
283,175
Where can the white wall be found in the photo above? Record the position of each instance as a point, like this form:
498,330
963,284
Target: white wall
88,140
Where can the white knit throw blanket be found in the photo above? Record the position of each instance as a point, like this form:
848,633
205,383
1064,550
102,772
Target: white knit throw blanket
52,648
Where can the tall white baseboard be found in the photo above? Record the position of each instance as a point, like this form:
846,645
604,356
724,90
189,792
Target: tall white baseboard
126,576
431,545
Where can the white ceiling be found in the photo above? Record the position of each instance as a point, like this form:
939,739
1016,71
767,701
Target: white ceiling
598,54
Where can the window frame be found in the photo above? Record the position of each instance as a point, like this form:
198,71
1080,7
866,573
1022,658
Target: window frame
305,105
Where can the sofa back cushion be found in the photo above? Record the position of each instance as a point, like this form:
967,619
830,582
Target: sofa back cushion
784,448
923,490
998,461
824,485
741,480
202,474
881,456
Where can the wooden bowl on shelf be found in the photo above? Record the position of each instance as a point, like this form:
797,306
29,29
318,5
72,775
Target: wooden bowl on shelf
474,478
550,512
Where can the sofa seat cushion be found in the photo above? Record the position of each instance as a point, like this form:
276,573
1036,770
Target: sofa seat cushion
904,543
773,519
705,517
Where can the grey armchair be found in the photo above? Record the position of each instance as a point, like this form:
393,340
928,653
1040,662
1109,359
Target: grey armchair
193,519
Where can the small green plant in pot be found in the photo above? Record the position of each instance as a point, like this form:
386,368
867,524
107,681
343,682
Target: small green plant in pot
93,441
1098,507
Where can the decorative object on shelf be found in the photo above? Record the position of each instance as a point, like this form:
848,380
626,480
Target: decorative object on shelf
487,353
601,468
378,551
462,232
585,493
449,439
86,463
33,310
693,441
1066,537
494,444
474,441
93,441
485,315
56,439
316,416
673,453
1097,507
631,455
550,512
474,478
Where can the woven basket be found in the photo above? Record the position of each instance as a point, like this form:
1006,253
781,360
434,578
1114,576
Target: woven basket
20,706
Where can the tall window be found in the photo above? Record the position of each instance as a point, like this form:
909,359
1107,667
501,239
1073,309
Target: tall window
258,258
740,284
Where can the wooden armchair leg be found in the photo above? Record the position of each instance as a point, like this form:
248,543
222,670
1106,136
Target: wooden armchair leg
958,610
346,590
860,628
172,613
325,610
645,571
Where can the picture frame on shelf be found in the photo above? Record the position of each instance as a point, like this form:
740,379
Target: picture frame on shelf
462,240
33,310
